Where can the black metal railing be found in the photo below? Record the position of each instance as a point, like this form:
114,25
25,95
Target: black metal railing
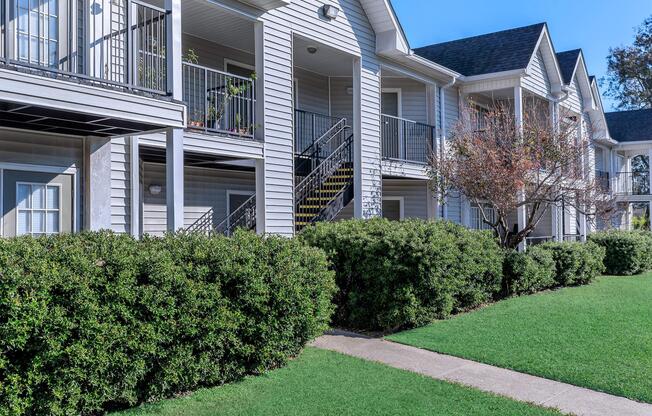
533,241
407,140
242,217
632,183
309,127
322,194
219,102
114,43
321,148
570,238
603,179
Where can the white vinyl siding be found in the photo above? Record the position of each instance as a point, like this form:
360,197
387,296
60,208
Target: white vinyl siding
212,55
574,100
413,98
120,186
414,194
454,207
313,91
41,149
537,80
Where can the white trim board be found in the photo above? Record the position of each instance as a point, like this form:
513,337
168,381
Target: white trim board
401,200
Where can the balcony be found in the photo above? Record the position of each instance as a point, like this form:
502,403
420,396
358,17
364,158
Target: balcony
310,126
602,179
632,183
118,44
86,68
219,102
406,140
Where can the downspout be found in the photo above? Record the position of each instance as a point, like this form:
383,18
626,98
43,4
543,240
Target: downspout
442,136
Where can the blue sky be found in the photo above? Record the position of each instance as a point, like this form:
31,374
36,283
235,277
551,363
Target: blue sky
593,25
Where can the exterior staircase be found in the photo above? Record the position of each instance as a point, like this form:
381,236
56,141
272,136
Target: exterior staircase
324,176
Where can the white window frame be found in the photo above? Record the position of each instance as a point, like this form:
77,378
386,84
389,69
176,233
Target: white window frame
31,209
401,205
70,170
476,217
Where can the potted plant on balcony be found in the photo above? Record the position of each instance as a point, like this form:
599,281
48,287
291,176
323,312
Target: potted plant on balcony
219,101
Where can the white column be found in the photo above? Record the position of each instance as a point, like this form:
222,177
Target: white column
174,178
357,140
174,62
518,114
134,180
259,110
98,184
260,196
554,212
174,137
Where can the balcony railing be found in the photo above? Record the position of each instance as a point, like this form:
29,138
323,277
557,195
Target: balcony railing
115,43
406,139
632,183
602,179
219,102
309,126
533,241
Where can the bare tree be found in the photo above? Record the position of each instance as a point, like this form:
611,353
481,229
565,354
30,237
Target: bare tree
536,165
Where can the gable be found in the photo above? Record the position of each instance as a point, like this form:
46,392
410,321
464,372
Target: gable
537,79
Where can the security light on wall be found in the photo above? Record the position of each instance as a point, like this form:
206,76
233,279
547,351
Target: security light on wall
330,12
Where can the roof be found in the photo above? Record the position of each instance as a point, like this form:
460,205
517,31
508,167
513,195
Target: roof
494,52
630,126
567,63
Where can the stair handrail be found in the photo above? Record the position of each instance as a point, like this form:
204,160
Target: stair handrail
312,154
203,224
242,217
326,168
339,126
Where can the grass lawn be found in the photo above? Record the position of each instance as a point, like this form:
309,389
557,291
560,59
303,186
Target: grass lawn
597,336
326,383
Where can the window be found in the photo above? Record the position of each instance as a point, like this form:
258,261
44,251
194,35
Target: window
37,31
38,209
477,221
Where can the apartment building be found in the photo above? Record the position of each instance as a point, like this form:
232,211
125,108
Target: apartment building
146,117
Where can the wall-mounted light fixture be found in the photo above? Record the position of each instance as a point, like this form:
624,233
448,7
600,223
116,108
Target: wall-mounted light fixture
312,50
330,12
155,189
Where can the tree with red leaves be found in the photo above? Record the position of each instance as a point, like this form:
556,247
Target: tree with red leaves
533,166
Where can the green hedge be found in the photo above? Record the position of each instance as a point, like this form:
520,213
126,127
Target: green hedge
627,252
529,272
576,263
394,275
98,321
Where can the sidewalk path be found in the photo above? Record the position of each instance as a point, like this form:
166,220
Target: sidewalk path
518,386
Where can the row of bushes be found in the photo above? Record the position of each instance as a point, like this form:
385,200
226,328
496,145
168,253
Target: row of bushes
627,252
92,322
551,265
394,275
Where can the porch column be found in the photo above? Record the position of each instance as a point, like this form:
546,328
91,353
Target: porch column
174,61
260,196
554,212
442,143
518,114
358,197
134,180
174,178
97,210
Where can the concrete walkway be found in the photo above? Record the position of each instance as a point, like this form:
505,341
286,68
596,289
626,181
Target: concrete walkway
518,386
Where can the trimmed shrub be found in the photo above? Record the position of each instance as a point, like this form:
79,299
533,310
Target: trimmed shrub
529,272
394,275
627,252
96,321
576,263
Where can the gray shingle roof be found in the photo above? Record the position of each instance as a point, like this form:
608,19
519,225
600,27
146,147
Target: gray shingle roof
494,52
630,126
567,61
